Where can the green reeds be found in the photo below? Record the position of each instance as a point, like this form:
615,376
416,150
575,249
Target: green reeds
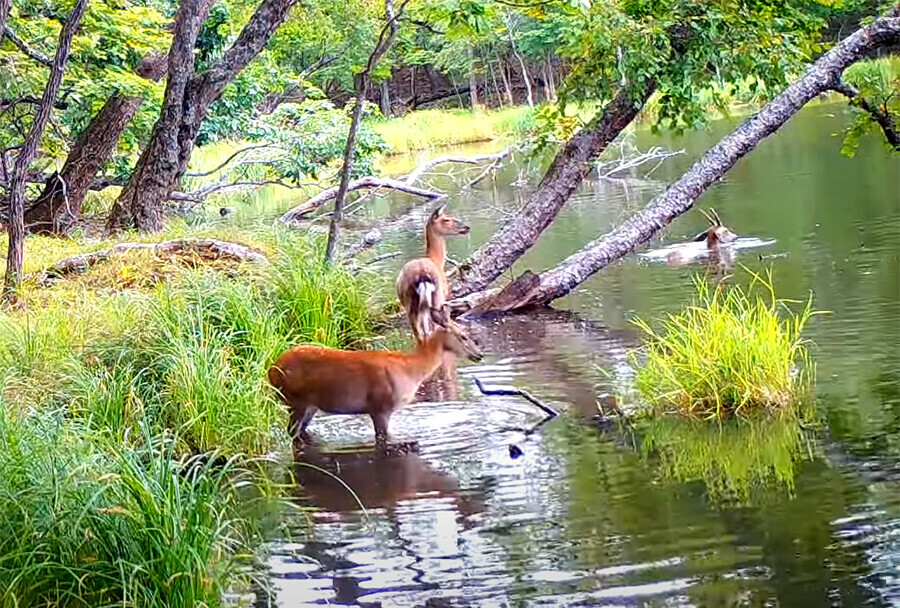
86,522
731,352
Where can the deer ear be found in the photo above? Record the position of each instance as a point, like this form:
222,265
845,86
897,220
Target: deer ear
701,236
438,212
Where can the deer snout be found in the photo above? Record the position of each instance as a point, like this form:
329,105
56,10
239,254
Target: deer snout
463,229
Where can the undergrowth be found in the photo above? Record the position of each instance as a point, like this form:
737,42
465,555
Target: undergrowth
187,354
90,522
732,352
134,402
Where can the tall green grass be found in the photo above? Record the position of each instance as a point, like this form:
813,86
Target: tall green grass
731,352
189,355
426,129
87,522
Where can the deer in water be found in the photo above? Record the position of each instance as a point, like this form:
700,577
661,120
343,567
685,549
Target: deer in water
422,284
717,234
376,383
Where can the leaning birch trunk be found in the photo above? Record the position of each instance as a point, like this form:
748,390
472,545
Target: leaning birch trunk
564,176
530,290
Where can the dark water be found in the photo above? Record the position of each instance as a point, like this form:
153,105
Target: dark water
590,515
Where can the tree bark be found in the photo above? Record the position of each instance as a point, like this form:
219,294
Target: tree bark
5,5
473,82
530,290
59,205
568,170
506,86
384,100
385,41
16,224
187,99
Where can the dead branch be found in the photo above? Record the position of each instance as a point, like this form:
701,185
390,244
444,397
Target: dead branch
405,183
298,213
206,248
625,162
516,392
20,44
228,160
424,167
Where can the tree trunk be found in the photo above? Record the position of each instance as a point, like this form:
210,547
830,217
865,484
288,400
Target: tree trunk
473,81
496,84
385,41
530,290
187,99
551,85
15,256
4,13
340,199
530,95
568,170
59,205
505,78
384,100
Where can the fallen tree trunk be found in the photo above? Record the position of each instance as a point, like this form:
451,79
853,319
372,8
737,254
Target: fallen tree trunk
205,248
403,184
530,290
300,211
564,176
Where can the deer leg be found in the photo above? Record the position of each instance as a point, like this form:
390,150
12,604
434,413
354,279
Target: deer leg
380,421
300,419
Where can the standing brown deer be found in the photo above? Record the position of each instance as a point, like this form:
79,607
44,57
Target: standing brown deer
422,285
377,383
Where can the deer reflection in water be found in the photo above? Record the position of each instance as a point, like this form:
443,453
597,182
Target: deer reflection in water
346,481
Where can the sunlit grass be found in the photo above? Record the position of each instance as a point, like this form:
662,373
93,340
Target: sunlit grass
426,129
731,352
178,348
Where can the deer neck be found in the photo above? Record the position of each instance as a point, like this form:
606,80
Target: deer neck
435,247
427,357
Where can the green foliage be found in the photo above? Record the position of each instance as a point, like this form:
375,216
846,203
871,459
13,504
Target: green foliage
878,83
311,136
86,522
732,352
112,40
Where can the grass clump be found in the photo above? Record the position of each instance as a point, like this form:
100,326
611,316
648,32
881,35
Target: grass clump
733,351
86,522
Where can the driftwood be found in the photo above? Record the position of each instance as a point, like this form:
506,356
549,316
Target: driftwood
206,248
299,212
405,183
679,197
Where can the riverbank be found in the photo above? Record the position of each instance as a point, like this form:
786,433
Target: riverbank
135,402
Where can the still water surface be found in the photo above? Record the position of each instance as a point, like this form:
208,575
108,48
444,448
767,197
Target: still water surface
595,515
